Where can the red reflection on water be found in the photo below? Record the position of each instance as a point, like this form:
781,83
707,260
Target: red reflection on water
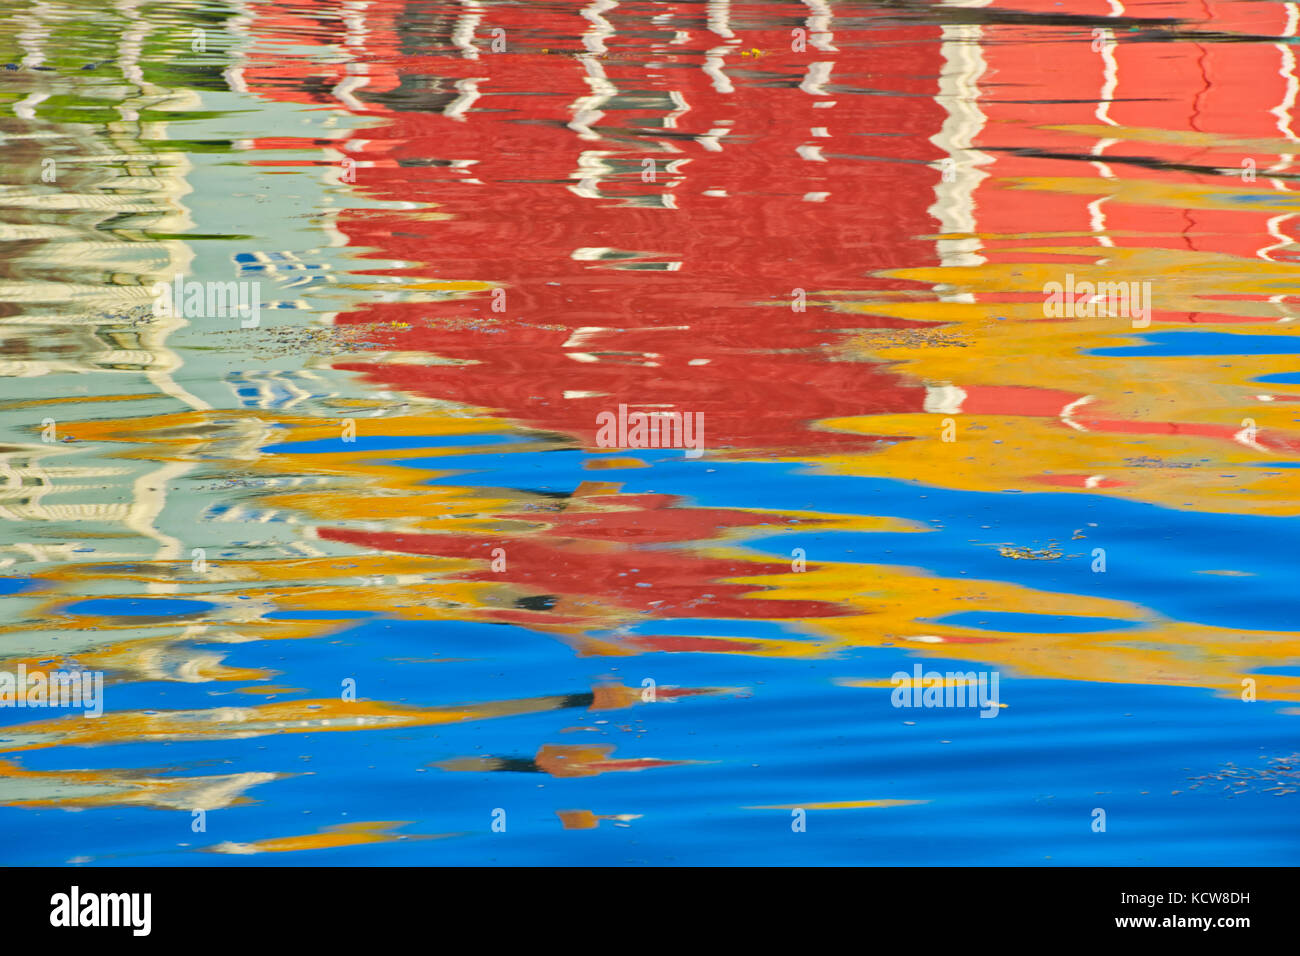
771,174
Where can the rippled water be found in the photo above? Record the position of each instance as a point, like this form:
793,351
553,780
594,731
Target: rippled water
364,585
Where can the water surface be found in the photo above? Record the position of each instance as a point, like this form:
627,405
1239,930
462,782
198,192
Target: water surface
365,588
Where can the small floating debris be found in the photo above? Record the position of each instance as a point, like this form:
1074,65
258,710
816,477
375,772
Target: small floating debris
1283,773
1050,553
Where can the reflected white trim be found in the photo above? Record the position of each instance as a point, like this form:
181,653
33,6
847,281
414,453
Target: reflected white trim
954,205
819,23
462,34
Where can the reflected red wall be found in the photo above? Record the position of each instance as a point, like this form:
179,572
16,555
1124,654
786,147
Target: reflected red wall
755,211
1240,95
